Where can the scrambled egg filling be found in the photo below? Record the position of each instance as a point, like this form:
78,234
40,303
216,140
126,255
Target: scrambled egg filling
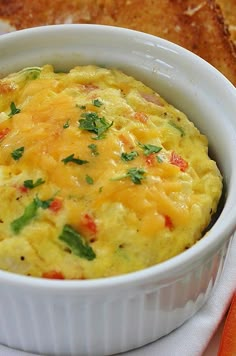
99,175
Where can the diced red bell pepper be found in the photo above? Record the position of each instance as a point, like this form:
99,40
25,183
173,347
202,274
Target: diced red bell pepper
23,189
178,161
150,159
53,275
168,222
56,205
89,223
4,132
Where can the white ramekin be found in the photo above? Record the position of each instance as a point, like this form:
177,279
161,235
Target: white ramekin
107,316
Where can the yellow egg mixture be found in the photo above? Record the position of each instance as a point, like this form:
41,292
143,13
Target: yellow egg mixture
99,175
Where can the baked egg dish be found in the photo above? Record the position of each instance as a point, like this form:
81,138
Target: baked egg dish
99,175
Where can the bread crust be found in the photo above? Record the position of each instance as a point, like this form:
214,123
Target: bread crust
228,8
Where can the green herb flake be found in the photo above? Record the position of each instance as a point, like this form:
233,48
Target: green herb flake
97,103
18,153
32,73
77,243
149,149
72,159
93,123
94,149
125,156
89,179
30,212
30,184
44,204
135,174
82,107
177,127
66,124
14,109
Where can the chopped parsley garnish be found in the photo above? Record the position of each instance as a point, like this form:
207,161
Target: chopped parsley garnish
72,159
82,107
32,73
135,174
149,149
14,109
159,159
30,184
177,127
44,204
93,123
89,179
94,149
77,243
18,153
29,213
66,124
125,156
97,103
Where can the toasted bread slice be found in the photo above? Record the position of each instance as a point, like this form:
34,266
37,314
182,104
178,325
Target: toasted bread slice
197,25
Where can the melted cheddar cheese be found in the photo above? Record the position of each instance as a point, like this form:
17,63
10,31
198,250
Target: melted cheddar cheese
99,175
